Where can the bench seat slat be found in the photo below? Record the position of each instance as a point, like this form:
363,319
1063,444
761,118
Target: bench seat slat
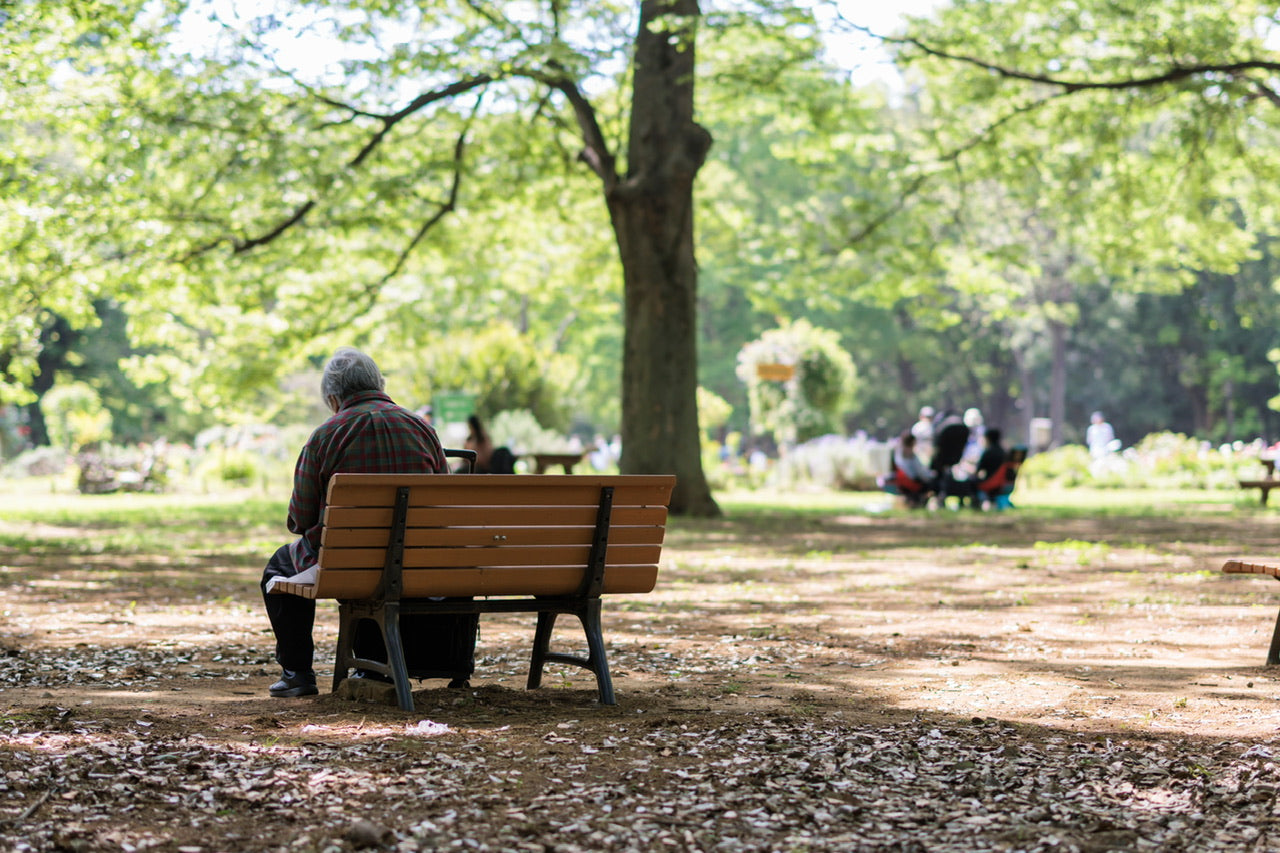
467,516
1239,567
371,537
531,558
422,583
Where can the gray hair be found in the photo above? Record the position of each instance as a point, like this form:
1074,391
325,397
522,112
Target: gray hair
349,372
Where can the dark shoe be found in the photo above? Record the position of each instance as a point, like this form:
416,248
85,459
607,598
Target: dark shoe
293,684
367,675
459,684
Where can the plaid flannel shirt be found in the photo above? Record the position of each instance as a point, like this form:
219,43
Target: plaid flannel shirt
370,434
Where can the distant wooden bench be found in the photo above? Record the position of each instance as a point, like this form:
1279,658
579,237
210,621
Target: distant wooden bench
543,462
395,545
1267,483
1238,567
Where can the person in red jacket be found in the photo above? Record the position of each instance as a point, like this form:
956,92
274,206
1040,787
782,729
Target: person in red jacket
992,474
915,482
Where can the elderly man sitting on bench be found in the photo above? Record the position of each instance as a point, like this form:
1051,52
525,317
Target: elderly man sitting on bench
367,433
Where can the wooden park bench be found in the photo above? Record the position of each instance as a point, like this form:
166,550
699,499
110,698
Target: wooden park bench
1238,567
1267,483
401,544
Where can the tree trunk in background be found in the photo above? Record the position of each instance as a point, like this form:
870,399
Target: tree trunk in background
1026,404
652,215
57,338
1058,381
1229,408
1198,398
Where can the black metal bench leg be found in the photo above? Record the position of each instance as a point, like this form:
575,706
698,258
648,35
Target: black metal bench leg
541,645
597,662
395,655
1273,654
346,636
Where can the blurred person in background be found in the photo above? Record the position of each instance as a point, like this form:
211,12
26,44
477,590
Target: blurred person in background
1099,437
922,429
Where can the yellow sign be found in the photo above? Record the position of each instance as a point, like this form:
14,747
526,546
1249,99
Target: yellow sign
775,372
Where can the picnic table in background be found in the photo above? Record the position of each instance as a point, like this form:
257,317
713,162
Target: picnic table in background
543,461
1266,484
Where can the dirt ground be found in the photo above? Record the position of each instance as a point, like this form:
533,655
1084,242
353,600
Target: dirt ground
841,683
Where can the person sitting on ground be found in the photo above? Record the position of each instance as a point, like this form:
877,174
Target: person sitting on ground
948,447
990,477
973,448
367,433
914,481
922,429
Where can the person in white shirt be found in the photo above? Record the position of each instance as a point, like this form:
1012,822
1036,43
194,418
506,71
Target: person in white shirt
922,429
1099,437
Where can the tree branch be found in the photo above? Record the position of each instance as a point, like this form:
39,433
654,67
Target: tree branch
388,123
242,246
390,120
1172,74
952,156
595,149
493,18
370,292
449,205
1266,92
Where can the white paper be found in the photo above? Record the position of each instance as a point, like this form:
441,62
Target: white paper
307,577
428,728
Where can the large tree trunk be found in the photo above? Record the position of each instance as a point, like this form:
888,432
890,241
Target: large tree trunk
652,215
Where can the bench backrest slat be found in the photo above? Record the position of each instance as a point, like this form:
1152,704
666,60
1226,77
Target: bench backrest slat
491,534
478,537
481,489
445,516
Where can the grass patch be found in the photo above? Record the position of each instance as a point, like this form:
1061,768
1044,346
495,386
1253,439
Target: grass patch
166,526
1029,502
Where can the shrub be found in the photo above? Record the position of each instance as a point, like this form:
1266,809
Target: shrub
106,468
520,431
713,411
75,416
38,462
1161,461
232,467
1062,467
246,454
833,462
504,368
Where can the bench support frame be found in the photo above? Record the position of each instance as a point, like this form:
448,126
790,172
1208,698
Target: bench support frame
1273,653
388,606
1263,486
